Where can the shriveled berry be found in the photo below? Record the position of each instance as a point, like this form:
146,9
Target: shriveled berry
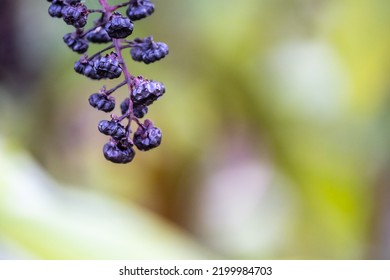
102,102
146,92
147,136
125,106
139,111
86,67
118,152
75,15
76,43
55,9
98,35
108,66
148,51
119,26
139,9
112,128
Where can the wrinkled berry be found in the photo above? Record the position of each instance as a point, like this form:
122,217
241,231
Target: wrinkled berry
146,92
139,9
86,67
147,136
102,102
139,111
118,152
125,105
108,66
75,15
98,35
148,51
77,44
119,26
112,128
55,9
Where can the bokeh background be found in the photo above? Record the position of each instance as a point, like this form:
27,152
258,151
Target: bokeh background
276,136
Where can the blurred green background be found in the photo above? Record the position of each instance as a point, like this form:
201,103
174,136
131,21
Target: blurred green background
276,137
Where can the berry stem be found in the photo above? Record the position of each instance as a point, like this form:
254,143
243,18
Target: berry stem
106,7
95,11
128,77
108,92
102,51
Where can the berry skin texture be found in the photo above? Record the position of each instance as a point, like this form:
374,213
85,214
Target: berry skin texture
76,44
139,111
146,92
147,136
148,51
86,67
112,128
108,66
75,15
118,26
102,102
139,9
118,153
125,105
55,10
98,35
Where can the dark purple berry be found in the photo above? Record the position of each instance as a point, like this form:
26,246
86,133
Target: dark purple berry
119,26
86,67
118,152
98,35
125,106
108,66
112,128
146,92
102,102
55,10
75,15
139,111
76,43
148,51
147,136
139,9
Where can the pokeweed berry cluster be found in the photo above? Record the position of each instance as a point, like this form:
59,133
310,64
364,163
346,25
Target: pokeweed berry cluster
113,28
